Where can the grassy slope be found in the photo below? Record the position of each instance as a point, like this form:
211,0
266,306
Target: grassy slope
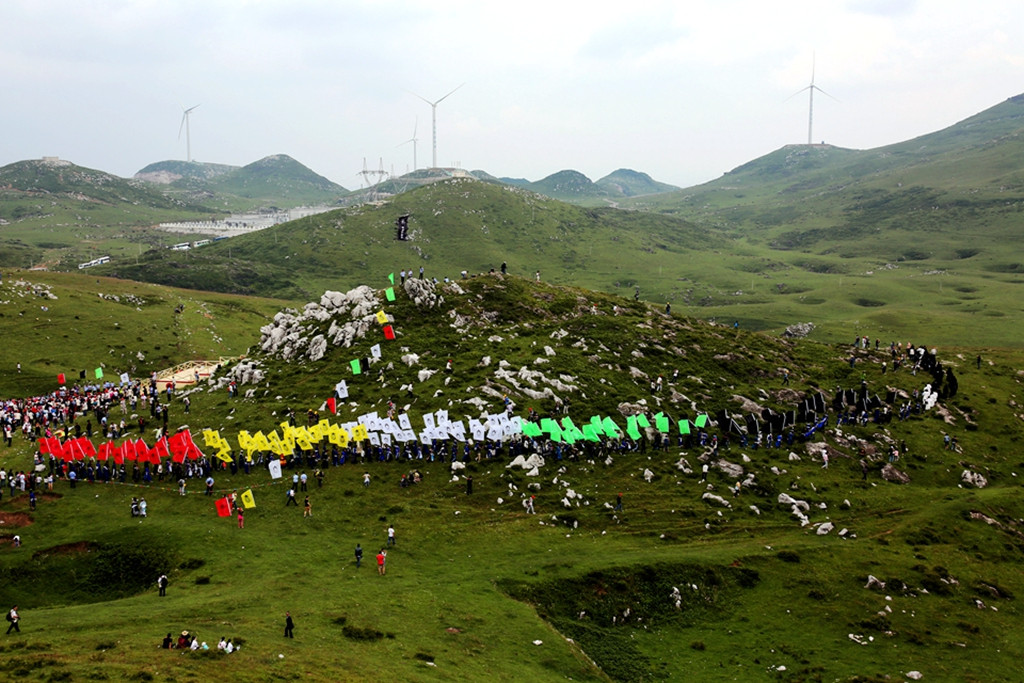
82,330
453,570
454,225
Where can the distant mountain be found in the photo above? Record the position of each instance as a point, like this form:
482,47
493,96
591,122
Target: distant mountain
456,224
567,185
278,176
167,172
277,180
61,178
629,183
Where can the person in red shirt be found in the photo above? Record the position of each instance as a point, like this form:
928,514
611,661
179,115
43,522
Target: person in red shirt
382,557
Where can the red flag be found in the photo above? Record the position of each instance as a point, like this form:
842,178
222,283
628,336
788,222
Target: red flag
141,451
224,507
88,450
332,405
179,445
159,450
389,332
60,378
73,450
106,450
57,448
128,450
44,446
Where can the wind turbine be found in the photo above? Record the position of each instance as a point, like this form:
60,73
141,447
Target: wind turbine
188,135
433,119
413,140
810,110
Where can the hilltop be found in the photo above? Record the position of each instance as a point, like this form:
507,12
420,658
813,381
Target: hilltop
277,180
809,572
456,224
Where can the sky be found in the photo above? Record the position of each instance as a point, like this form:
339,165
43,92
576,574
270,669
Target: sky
683,91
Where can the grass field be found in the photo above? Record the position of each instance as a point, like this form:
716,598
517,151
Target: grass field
474,581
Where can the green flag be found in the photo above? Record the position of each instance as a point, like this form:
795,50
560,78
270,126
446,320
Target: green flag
391,278
390,292
610,428
684,426
99,373
700,421
661,421
356,369
631,429
531,428
589,433
642,421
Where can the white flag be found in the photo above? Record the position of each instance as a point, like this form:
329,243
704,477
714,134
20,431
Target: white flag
275,469
375,350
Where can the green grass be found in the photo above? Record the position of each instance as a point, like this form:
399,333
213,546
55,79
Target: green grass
120,326
472,582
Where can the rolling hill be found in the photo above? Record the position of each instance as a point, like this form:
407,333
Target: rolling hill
53,212
455,225
802,572
274,181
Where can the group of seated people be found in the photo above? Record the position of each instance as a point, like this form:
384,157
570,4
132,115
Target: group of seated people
413,477
188,641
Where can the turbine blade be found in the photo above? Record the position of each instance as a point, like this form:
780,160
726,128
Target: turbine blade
823,92
182,126
804,89
439,101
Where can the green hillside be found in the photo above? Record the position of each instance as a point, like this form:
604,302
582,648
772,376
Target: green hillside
455,225
171,171
686,582
57,214
278,180
626,182
65,323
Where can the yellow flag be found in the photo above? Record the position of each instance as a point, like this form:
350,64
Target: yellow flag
315,433
359,432
382,317
247,499
244,439
324,425
211,438
224,453
260,442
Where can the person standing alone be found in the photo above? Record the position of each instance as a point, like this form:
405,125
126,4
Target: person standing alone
289,625
13,617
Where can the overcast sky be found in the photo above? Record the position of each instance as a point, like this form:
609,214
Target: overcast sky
684,91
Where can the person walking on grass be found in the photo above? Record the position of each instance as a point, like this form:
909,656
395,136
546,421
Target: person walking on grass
359,555
162,584
391,534
307,508
289,625
13,618
382,558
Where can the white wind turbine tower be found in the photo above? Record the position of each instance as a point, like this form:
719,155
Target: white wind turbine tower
810,110
188,134
433,118
413,140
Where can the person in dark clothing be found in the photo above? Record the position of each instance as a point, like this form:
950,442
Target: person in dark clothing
13,618
359,555
288,625
469,484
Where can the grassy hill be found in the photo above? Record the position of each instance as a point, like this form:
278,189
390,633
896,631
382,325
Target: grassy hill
455,225
64,323
674,586
274,181
55,213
